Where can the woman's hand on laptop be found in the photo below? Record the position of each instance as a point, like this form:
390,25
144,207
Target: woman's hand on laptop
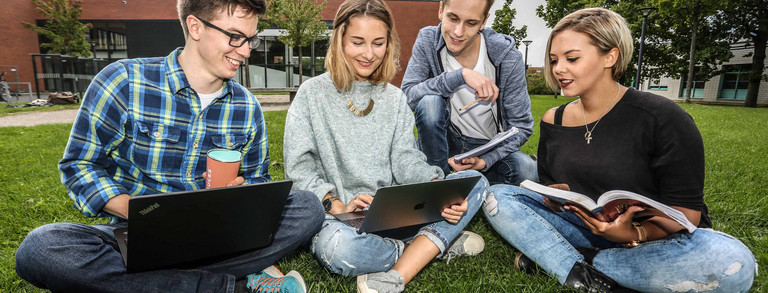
358,203
453,213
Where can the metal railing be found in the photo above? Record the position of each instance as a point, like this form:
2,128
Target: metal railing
64,73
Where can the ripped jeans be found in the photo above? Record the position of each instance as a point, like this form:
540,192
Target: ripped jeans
342,250
703,261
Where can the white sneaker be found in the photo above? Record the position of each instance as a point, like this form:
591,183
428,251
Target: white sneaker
383,282
467,243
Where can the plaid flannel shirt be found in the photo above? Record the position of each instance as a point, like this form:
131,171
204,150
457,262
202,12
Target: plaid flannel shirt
141,130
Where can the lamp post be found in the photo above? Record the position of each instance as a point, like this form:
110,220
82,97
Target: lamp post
526,42
645,12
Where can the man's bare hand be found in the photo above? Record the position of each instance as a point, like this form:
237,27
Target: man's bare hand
484,87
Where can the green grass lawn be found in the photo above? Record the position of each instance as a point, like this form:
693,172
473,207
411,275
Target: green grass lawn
4,110
735,140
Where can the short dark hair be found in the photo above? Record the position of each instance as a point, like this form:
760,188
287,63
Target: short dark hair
206,9
488,4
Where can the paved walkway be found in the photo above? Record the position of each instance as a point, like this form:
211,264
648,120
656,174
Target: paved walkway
268,103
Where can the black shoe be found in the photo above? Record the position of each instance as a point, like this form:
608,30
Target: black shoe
586,278
526,265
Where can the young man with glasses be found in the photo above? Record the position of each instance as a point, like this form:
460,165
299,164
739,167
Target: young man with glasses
144,127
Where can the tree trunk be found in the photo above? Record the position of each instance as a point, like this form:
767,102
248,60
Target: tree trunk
247,74
692,57
758,63
301,67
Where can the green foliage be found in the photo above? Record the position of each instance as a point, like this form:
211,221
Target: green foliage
668,33
537,85
65,32
300,20
736,172
749,21
503,23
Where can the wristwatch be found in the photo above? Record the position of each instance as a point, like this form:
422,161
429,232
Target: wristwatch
328,203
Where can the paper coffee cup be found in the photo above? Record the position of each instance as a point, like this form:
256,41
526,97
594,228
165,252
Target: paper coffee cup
221,167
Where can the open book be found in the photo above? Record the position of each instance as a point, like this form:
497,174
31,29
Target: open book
497,139
610,204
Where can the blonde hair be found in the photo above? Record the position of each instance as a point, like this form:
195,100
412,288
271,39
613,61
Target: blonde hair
342,73
606,30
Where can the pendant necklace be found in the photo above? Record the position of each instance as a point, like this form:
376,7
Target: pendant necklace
588,134
358,112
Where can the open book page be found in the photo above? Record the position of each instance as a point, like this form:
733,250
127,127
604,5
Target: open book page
498,138
561,196
620,200
610,204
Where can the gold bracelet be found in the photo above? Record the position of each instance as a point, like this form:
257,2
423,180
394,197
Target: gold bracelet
640,235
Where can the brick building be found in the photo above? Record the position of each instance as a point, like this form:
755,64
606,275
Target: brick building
147,28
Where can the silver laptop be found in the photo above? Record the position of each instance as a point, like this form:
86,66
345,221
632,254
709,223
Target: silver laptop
400,211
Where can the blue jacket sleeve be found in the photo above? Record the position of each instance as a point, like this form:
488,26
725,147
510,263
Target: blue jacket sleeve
418,80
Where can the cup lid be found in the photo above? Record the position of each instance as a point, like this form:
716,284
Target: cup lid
226,156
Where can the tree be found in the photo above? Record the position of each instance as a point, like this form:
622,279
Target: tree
503,23
300,20
750,22
669,34
65,32
697,18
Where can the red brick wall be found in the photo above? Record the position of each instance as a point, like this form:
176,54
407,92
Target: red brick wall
17,42
410,17
132,9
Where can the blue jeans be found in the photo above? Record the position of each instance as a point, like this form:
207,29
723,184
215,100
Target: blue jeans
342,250
705,260
74,257
439,141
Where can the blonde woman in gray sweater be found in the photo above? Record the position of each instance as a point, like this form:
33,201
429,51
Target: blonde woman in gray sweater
350,132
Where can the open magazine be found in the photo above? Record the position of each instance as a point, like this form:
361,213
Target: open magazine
498,138
610,204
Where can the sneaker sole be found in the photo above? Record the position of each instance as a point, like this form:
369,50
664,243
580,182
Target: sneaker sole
362,285
299,278
471,251
273,271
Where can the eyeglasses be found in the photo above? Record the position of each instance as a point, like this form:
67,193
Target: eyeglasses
235,40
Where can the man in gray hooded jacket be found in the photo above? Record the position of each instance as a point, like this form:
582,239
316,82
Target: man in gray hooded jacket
467,84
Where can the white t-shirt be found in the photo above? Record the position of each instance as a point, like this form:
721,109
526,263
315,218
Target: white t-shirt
206,99
478,120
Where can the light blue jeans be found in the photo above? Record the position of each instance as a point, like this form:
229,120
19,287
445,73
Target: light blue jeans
71,257
703,261
439,141
342,250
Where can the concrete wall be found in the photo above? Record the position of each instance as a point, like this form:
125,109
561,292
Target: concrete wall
712,87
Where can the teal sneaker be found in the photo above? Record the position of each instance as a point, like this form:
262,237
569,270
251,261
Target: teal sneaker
272,280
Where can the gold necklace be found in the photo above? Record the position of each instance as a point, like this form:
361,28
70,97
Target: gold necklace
588,134
357,112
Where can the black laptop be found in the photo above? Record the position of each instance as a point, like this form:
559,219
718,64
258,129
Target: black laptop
182,229
399,211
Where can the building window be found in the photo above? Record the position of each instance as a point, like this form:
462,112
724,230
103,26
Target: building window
272,65
108,40
698,88
658,85
735,82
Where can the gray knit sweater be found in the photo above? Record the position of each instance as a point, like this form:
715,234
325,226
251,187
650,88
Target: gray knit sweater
327,148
